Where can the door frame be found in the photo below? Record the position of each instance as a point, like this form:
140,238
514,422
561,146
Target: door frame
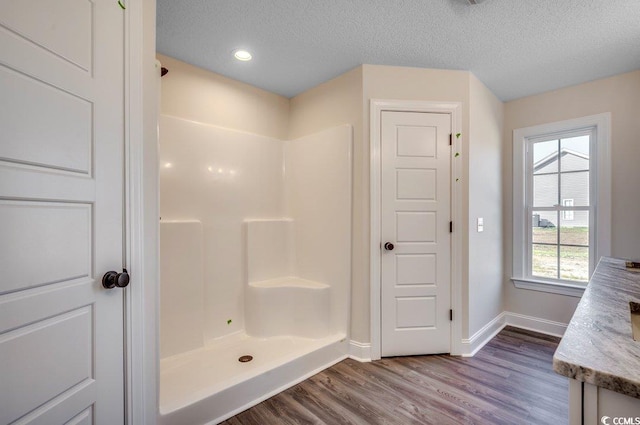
454,109
141,212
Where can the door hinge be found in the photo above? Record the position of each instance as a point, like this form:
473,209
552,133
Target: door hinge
451,315
451,227
450,139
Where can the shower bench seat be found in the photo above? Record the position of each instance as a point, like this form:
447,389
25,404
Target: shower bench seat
289,282
287,306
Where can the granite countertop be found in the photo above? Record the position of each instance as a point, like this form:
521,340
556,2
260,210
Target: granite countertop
598,346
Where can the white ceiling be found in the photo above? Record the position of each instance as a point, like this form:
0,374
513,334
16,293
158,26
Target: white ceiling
516,47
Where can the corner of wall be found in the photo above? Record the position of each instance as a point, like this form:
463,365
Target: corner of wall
619,95
200,95
485,178
336,102
480,338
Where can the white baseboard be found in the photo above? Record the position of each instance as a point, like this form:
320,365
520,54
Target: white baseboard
360,351
548,327
536,324
478,340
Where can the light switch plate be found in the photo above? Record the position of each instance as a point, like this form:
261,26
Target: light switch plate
480,224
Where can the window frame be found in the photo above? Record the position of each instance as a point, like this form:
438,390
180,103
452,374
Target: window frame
558,208
600,198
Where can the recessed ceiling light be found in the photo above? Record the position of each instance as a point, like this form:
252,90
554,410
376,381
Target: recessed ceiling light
242,55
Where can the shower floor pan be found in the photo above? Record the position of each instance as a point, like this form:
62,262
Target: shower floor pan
210,384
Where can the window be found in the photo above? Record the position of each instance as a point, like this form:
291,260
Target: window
561,203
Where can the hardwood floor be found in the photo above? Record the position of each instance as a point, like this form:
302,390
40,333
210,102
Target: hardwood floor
509,381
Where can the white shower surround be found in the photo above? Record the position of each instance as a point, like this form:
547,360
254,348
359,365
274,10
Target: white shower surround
221,177
277,300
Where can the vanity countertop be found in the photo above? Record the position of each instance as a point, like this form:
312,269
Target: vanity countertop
598,347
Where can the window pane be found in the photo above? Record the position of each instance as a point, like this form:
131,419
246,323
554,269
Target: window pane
543,227
575,186
545,157
557,183
575,153
574,263
546,219
574,230
545,190
544,261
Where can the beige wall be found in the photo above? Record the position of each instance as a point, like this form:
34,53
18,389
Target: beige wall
392,82
192,93
195,94
335,102
619,95
346,99
486,114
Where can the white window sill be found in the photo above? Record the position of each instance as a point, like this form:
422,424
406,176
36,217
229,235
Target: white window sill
572,290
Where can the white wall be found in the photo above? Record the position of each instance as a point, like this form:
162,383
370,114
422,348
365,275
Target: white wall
196,95
333,103
219,177
318,198
212,123
181,286
486,115
619,95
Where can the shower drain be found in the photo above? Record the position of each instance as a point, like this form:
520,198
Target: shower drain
244,359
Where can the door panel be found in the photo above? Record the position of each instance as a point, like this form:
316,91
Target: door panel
57,234
61,203
84,418
414,226
415,312
416,141
45,356
417,184
63,27
415,217
59,134
415,269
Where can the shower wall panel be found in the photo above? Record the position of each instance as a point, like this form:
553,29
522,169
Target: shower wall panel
318,198
219,177
181,287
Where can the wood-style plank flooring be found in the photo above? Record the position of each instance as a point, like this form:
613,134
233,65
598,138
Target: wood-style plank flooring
509,381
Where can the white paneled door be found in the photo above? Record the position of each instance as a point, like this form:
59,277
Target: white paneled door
416,241
61,211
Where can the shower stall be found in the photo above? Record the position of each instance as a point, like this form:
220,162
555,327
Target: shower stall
255,265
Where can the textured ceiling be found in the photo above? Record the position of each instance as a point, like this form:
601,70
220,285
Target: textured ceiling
516,47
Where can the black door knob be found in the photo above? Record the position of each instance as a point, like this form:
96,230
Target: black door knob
388,246
112,279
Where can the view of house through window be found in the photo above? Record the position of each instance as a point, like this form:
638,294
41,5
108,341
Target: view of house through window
559,206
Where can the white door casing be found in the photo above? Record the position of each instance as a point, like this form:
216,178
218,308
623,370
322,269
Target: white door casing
61,209
415,216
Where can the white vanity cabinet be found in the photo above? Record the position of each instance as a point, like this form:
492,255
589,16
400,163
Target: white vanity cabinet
598,353
600,403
